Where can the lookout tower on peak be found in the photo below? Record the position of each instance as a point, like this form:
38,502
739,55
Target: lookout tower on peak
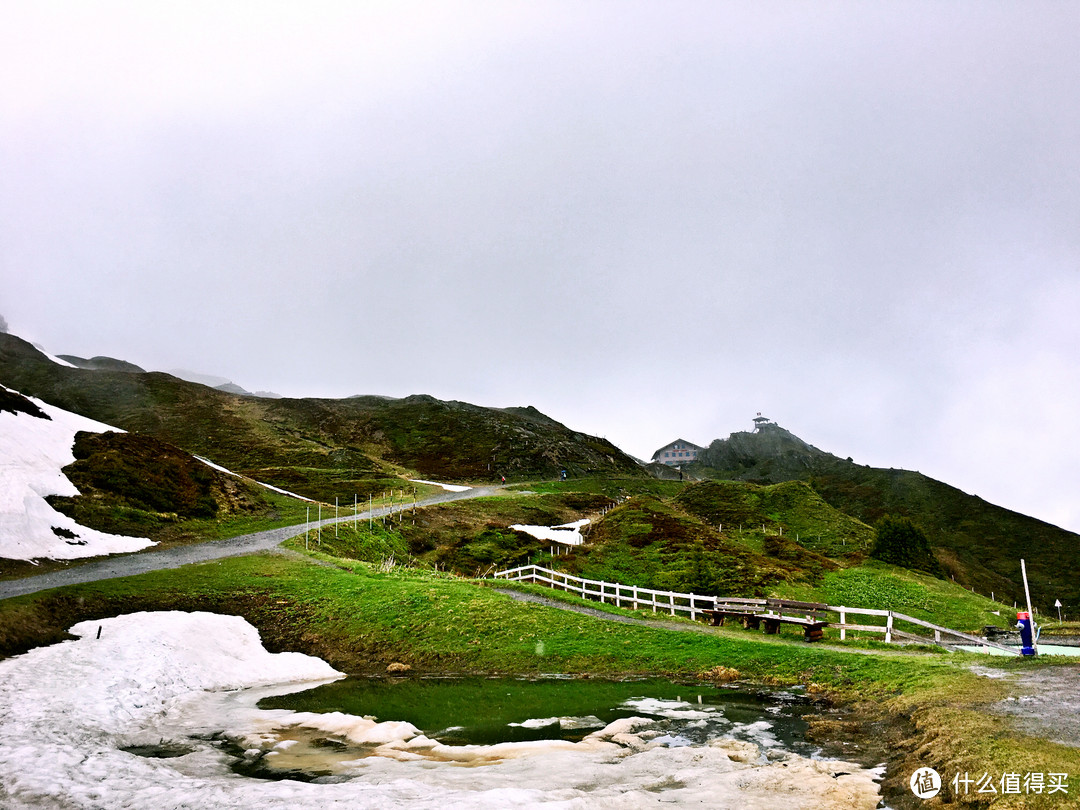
762,422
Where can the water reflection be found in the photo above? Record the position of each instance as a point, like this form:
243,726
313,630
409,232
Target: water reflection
491,711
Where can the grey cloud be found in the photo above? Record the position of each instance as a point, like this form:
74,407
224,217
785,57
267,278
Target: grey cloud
646,221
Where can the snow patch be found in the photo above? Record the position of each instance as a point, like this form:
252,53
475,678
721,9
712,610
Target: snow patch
568,534
227,471
447,487
217,467
672,709
566,723
74,715
284,492
53,357
33,453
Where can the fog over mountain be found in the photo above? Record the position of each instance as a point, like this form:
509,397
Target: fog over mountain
647,221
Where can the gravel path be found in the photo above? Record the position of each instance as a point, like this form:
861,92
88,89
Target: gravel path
1045,702
132,564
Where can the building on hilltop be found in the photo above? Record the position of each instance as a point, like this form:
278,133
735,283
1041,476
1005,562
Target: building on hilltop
763,422
678,452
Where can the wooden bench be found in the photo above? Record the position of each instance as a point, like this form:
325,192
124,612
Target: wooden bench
810,618
812,628
749,618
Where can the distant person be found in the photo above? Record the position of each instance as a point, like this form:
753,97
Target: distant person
563,477
502,478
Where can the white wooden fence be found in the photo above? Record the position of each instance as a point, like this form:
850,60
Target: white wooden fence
694,605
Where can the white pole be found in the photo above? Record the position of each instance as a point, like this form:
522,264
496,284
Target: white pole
319,527
354,512
335,515
1031,613
307,527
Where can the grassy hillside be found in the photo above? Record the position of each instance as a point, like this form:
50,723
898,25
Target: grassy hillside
142,486
360,619
319,448
661,544
792,509
671,537
885,587
468,537
977,543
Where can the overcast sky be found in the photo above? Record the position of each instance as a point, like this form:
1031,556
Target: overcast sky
649,220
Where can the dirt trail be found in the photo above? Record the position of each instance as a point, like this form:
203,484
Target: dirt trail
132,564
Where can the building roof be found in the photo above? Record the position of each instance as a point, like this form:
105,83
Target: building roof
685,445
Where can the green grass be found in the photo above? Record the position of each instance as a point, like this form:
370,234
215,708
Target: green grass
880,586
653,543
361,619
374,543
612,486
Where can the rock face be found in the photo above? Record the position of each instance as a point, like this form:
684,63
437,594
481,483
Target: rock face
770,453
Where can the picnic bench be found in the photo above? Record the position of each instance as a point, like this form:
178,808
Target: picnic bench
773,613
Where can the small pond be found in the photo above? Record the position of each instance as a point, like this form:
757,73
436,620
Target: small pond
488,711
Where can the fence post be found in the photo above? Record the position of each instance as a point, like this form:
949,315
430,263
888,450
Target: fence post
888,629
843,621
635,597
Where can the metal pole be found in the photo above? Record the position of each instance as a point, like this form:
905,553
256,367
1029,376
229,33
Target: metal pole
1031,613
307,528
354,513
319,527
335,516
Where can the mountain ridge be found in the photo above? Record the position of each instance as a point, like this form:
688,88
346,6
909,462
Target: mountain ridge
978,543
318,447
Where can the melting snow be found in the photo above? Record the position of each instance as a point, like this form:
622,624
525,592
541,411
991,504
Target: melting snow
33,453
227,471
53,357
217,467
447,487
177,680
568,534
